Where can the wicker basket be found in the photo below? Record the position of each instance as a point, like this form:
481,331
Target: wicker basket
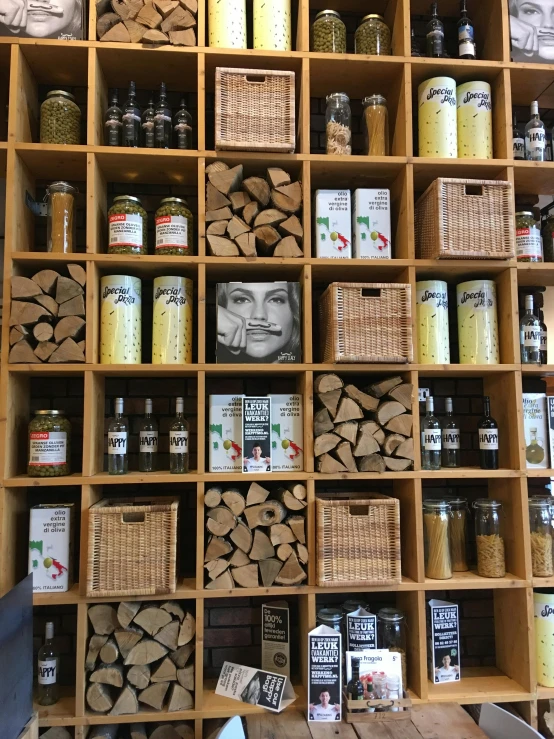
465,219
132,547
358,540
361,322
254,110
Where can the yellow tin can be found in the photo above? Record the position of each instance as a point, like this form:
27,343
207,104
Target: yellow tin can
477,322
544,638
227,24
433,339
172,321
436,114
120,320
474,112
272,25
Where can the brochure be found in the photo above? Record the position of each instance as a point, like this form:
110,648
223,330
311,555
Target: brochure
257,687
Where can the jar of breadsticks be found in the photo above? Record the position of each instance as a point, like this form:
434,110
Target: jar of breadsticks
436,529
338,124
540,523
376,126
60,212
489,538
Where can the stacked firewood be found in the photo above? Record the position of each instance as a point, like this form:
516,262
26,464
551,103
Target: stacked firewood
140,653
252,217
47,317
147,21
262,535
366,430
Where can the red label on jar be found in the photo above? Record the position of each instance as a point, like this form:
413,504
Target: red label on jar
523,231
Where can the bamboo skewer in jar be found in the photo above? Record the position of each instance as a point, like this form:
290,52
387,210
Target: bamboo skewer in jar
489,538
436,522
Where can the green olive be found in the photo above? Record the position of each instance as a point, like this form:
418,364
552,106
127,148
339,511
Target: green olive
46,421
131,207
329,35
175,208
373,37
60,121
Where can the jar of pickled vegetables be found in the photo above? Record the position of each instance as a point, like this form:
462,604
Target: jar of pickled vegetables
528,238
174,224
328,33
373,36
49,444
128,226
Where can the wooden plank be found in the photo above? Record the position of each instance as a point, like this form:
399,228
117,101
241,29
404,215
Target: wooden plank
334,730
288,725
31,729
387,730
439,720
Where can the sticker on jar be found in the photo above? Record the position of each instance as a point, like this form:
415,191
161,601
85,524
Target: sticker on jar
178,442
488,439
432,440
47,448
125,229
148,442
117,442
171,231
528,243
451,438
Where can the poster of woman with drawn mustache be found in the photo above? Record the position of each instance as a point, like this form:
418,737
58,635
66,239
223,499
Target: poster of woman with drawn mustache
59,19
532,30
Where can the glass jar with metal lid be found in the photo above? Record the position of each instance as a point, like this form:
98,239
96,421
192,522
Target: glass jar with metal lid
60,217
328,33
353,604
391,634
540,523
174,228
60,119
528,237
331,617
128,226
49,444
373,36
376,126
436,528
489,537
338,124
459,517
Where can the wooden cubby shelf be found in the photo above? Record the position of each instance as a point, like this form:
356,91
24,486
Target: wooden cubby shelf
28,68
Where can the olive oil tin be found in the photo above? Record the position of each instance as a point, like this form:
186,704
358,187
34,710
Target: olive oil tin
120,320
272,25
474,113
172,321
477,322
436,114
227,24
544,637
433,338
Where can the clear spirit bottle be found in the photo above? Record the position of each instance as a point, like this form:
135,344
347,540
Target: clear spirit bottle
535,136
113,122
466,35
450,438
148,440
534,452
435,34
518,141
179,440
488,438
530,334
148,124
131,119
118,438
182,127
430,439
162,124
48,667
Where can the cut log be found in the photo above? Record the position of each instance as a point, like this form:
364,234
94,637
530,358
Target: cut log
99,698
403,394
269,217
137,731
180,699
168,635
391,442
109,652
181,655
73,307
368,402
239,559
108,675
241,536
379,436
322,422
344,453
216,567
369,426
223,582
379,389
126,9
17,333
327,465
264,514
266,239
401,424
247,576
155,36
365,443
217,548
185,677
326,383
103,618
387,410
179,20
397,465
288,500
277,177
284,551
220,521
298,526
348,431
23,353
68,351
222,214
43,331
107,731
298,490
262,548
165,731
239,200
139,676
250,212
56,732
256,494
105,23
149,16
236,227
287,198
292,227
95,644
302,552
258,189
287,248
23,314
136,30
217,228
68,327
187,630
234,500
280,533
331,401
247,244
66,288
222,247
154,695
164,672
22,288
348,410
291,572
371,463
45,349
216,167
77,273
191,5
171,606
405,450
118,34
46,279
126,611
145,652
183,38
48,302
212,497
269,569
324,443
226,180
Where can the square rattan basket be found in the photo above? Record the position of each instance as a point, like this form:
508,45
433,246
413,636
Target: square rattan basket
132,547
366,322
358,540
465,219
254,110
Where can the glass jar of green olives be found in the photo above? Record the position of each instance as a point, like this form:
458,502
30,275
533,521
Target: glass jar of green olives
174,224
548,237
60,119
528,238
49,445
328,33
373,36
128,226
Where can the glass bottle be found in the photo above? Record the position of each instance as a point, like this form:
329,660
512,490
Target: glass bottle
182,127
148,124
148,440
391,635
369,693
354,688
118,438
414,47
530,334
338,124
113,122
331,617
535,136
179,440
466,35
48,670
435,34
540,523
163,124
489,538
430,438
436,528
459,516
488,438
518,141
131,119
450,438
544,338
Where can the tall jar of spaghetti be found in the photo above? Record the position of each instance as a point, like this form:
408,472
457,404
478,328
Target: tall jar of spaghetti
477,322
433,338
120,320
172,321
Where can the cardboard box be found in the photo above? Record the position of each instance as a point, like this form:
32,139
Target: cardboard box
443,635
225,433
256,434
287,433
333,224
51,547
276,638
258,687
324,674
535,430
371,224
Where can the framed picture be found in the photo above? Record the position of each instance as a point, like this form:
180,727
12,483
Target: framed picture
532,31
58,19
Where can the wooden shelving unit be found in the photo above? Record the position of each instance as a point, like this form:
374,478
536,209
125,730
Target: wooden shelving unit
94,67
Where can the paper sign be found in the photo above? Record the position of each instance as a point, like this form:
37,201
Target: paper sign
258,687
275,638
324,674
361,628
256,434
444,641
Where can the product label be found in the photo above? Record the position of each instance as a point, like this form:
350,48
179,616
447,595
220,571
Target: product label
256,434
47,448
276,638
178,442
519,148
477,299
478,99
225,427
535,430
171,231
531,337
113,132
451,438
182,131
435,42
423,441
324,674
528,242
148,441
465,32
436,298
432,440
117,442
333,224
488,439
50,547
443,641
361,630
125,229
47,672
371,225
535,140
544,343
148,128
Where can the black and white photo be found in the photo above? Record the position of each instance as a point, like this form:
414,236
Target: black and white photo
58,19
532,31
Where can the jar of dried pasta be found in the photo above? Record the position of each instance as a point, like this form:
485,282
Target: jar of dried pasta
338,124
373,36
489,538
540,523
60,212
376,126
436,529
